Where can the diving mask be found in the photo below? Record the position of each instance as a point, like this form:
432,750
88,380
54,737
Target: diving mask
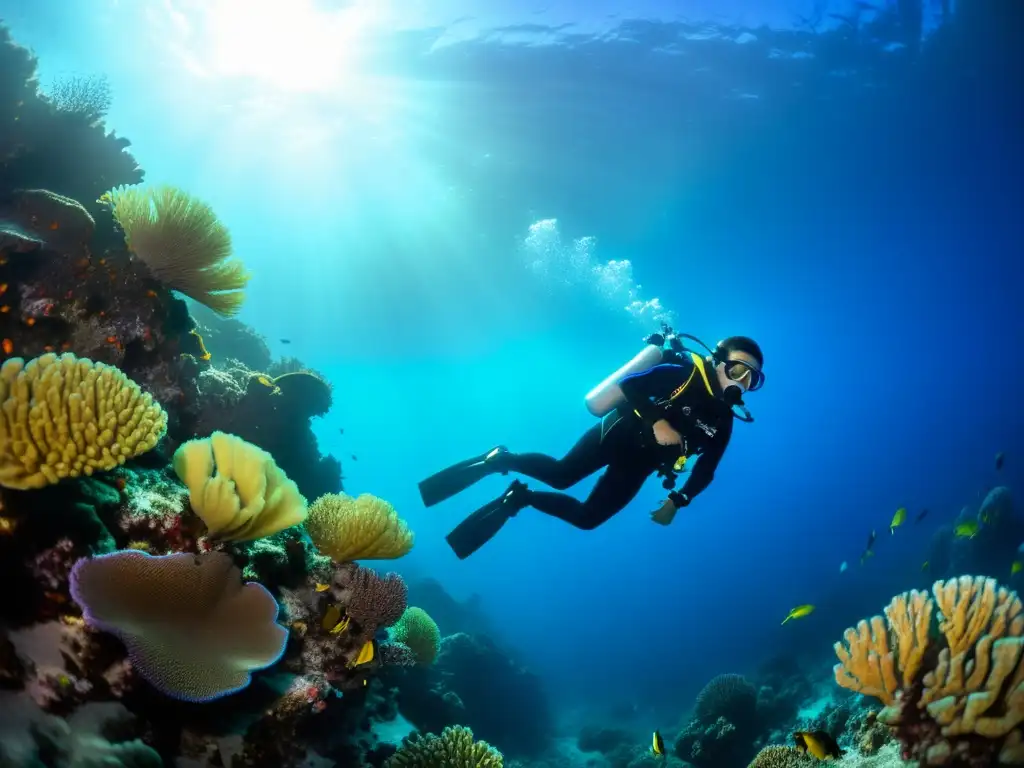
745,374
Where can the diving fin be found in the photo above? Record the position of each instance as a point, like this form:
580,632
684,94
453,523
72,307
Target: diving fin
459,477
481,526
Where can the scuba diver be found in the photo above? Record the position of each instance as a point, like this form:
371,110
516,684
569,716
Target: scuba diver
665,406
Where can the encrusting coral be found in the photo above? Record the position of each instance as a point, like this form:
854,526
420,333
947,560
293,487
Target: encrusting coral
363,528
237,489
182,242
65,417
454,748
953,701
782,757
192,629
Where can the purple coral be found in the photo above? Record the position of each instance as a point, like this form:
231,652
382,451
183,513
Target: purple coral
192,629
372,601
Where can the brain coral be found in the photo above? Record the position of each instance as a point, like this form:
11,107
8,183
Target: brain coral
192,629
64,417
364,528
729,696
418,631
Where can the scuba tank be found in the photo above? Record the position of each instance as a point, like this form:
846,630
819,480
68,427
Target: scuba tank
664,347
607,395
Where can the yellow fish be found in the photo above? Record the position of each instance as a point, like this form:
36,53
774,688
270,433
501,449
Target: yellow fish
1016,567
897,519
818,743
335,621
966,530
366,654
658,744
925,565
8,525
322,587
799,612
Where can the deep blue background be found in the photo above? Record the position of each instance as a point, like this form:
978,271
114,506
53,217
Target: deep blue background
855,207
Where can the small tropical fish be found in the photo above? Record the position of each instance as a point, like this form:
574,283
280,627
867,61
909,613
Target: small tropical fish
966,530
799,612
843,566
1016,567
818,743
3,288
925,565
8,346
921,516
871,540
332,618
366,654
264,380
286,341
322,587
341,430
1000,457
657,744
354,458
8,525
898,519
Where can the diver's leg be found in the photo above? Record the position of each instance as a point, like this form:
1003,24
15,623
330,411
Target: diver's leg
458,477
618,486
587,456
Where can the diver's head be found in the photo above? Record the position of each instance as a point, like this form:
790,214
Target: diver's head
738,363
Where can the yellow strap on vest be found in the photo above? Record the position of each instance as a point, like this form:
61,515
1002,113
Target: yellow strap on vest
698,365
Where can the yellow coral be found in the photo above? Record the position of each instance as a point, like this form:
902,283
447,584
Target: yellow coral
966,692
64,417
454,748
182,242
363,528
418,631
237,489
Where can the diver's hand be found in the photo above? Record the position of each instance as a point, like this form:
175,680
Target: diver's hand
666,434
665,514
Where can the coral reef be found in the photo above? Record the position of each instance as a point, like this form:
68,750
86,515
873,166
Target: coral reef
419,632
723,727
954,701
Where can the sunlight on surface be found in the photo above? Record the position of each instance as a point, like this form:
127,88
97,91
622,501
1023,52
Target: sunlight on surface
289,45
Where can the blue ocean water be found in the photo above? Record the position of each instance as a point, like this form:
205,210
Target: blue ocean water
438,204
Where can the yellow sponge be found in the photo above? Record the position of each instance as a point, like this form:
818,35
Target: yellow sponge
64,417
363,528
237,489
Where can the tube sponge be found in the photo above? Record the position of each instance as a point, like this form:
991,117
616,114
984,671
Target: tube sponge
363,528
192,629
454,748
237,489
63,416
418,631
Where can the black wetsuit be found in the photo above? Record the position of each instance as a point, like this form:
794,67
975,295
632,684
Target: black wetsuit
624,443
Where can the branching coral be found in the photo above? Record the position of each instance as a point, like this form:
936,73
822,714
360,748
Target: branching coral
370,600
237,489
454,748
191,627
418,631
183,243
65,417
959,699
363,528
